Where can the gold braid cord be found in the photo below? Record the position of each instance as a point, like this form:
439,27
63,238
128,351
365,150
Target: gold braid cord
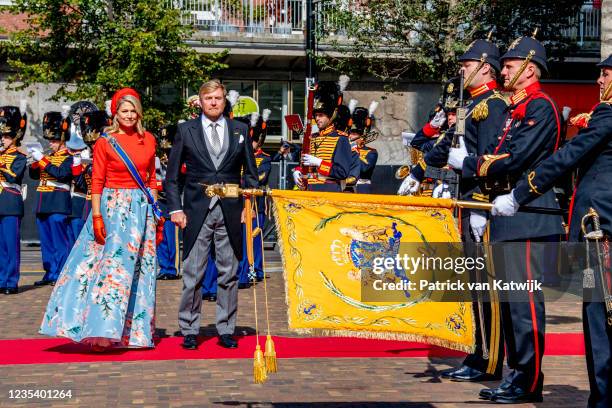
521,69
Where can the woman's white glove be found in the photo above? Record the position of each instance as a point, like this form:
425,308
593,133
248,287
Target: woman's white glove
311,160
478,223
297,178
438,120
409,186
505,205
441,191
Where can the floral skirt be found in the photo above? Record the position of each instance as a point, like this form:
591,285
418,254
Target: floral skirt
105,294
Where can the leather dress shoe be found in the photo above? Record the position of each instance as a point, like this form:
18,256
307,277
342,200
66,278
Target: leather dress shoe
488,393
446,373
211,297
190,342
516,395
244,285
227,341
2,289
259,278
43,282
10,291
465,373
167,276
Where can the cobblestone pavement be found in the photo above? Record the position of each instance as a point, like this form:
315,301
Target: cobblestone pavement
346,382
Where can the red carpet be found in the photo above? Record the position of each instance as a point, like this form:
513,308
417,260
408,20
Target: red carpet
53,351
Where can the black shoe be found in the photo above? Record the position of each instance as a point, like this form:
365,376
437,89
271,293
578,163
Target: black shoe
212,298
190,342
227,341
446,373
244,285
43,282
52,283
516,395
162,277
259,278
10,291
465,373
173,277
489,393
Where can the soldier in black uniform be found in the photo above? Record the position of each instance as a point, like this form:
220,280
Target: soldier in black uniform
78,148
531,133
361,134
343,123
590,153
12,168
443,118
53,208
486,109
330,154
168,248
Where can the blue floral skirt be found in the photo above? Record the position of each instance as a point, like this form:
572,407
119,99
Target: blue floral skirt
105,294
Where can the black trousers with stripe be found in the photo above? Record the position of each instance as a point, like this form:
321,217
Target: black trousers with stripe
523,313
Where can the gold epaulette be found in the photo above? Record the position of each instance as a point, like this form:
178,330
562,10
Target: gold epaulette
481,111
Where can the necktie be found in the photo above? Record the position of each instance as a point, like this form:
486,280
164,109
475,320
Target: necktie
216,139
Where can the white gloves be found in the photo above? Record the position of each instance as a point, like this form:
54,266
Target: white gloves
407,138
438,120
478,223
441,191
505,205
409,186
76,160
85,155
456,155
311,160
297,177
37,154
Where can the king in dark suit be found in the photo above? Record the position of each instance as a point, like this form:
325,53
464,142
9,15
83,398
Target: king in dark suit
214,149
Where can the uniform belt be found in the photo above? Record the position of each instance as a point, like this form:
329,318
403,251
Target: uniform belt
12,186
55,184
364,181
77,194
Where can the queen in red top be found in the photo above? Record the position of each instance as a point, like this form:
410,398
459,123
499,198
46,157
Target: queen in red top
105,295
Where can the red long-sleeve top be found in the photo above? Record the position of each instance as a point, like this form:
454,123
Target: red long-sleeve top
110,171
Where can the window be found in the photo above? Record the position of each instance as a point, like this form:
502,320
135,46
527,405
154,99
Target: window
274,96
298,99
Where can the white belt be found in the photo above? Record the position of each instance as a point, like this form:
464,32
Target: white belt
364,181
13,186
77,194
55,184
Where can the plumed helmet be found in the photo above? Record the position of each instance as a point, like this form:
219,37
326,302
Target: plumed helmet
92,125
13,121
56,125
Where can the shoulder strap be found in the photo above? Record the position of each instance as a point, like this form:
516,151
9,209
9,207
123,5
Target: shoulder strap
131,168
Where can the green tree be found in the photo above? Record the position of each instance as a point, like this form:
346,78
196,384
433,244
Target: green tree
94,47
420,39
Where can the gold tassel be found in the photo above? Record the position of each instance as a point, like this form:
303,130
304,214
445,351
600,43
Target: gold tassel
259,366
481,111
270,355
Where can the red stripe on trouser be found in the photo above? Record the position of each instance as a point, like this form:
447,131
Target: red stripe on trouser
534,322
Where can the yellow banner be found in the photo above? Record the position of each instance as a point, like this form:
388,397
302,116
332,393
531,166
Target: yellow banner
328,242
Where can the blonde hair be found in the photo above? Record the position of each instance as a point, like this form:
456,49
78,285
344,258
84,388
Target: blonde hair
114,127
211,86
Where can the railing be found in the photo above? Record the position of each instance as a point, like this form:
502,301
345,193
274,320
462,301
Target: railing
586,26
281,17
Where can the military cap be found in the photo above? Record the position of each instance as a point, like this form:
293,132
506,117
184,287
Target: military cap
92,125
360,120
482,48
343,120
450,94
327,98
606,63
523,47
12,122
166,136
56,126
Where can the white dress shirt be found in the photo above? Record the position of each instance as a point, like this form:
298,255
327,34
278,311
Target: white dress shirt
206,122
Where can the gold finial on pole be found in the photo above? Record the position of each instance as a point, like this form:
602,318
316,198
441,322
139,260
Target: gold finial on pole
535,32
490,35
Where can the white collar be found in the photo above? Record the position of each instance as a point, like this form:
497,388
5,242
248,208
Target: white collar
206,122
